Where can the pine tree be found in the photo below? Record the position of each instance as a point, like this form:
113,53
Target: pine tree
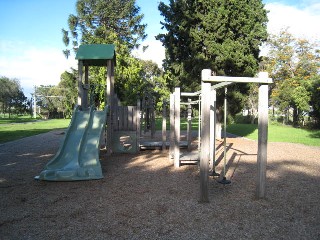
108,22
223,35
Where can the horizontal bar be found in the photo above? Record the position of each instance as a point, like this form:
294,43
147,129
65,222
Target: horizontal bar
220,85
238,79
189,94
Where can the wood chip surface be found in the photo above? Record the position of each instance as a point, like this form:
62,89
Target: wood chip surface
143,196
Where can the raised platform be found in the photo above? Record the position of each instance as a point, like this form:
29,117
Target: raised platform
190,157
158,144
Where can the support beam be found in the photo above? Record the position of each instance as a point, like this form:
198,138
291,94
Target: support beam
80,89
205,137
177,127
138,116
262,141
189,125
171,128
212,129
164,125
260,79
85,87
109,90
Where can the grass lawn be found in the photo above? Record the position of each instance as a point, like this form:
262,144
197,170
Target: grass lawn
278,133
14,131
26,127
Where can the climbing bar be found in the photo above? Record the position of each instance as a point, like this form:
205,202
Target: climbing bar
208,76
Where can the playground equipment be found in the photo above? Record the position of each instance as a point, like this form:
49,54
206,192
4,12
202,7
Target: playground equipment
224,179
78,156
207,129
126,128
206,92
175,142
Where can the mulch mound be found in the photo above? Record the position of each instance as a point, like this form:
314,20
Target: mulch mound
143,196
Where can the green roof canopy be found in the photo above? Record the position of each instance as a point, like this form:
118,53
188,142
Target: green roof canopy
96,54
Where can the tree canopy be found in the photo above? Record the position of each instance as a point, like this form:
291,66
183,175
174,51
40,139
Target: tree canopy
12,98
116,22
223,35
294,65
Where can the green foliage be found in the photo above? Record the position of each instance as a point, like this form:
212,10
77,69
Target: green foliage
222,35
116,22
294,65
58,101
100,21
67,88
12,98
315,100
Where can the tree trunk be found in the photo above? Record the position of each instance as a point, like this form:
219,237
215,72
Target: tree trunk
295,116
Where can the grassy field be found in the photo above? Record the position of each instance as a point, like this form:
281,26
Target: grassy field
10,131
278,133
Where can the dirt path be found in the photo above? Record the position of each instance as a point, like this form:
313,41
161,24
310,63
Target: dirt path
144,197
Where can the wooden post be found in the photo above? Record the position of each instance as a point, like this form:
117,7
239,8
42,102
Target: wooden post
153,119
171,127
85,87
110,76
164,126
212,129
189,126
177,127
199,124
138,117
80,89
205,136
262,141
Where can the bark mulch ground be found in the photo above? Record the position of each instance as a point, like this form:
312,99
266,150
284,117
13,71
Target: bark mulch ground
143,196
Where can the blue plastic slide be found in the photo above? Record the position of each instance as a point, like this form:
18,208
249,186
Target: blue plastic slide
78,156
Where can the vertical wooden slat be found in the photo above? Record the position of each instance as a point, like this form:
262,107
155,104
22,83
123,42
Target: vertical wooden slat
109,102
138,116
125,118
177,127
164,125
115,117
212,129
85,87
262,141
134,118
189,128
80,65
205,136
171,127
130,118
199,124
153,119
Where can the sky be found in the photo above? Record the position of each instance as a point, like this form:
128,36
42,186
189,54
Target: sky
31,39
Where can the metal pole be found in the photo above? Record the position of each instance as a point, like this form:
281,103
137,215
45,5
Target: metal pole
35,102
224,180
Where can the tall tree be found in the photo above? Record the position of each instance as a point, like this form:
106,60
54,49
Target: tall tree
224,35
12,96
294,65
68,82
112,22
